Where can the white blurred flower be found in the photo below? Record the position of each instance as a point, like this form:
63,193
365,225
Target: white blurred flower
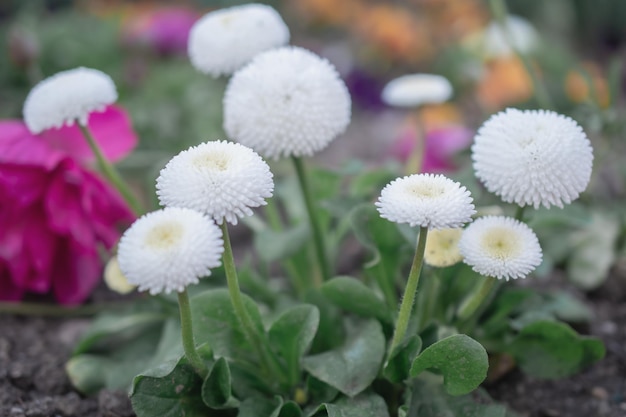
442,247
533,157
500,247
426,200
286,102
222,179
224,40
115,279
416,89
168,249
522,33
68,97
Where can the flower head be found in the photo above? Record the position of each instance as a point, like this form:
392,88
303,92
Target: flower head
115,279
222,179
68,97
169,249
442,247
523,34
426,200
55,216
500,247
286,102
533,157
224,40
417,89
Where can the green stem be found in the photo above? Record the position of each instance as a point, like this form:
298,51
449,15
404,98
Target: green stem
316,228
409,292
298,283
470,305
187,334
427,300
519,213
255,338
53,310
110,172
499,11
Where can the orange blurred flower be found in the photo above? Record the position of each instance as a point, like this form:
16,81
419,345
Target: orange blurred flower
587,84
505,82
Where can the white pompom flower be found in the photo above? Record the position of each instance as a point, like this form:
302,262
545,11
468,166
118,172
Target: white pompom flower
500,247
496,42
68,97
222,179
416,89
426,200
442,247
224,40
533,157
169,249
286,102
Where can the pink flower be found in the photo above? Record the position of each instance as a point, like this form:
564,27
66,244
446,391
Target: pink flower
442,144
164,29
55,215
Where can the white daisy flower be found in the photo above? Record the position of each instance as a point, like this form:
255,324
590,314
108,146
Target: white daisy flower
426,200
416,89
286,102
168,249
442,247
115,279
533,157
222,179
500,247
68,97
522,33
224,40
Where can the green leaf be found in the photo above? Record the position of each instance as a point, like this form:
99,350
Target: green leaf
90,372
216,388
293,332
352,295
288,409
111,330
352,367
259,407
429,399
319,391
284,243
462,361
549,349
329,334
399,364
363,405
215,322
169,391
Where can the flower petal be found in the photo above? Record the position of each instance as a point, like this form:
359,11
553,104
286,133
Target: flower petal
19,146
112,130
76,272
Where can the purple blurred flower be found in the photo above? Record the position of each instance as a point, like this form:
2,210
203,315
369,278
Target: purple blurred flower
442,144
166,30
55,214
365,89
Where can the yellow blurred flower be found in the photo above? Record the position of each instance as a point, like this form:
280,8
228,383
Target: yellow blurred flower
587,84
435,116
442,247
504,82
115,279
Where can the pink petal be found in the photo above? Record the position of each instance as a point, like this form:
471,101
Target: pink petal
76,273
447,141
112,130
19,146
63,204
8,290
21,185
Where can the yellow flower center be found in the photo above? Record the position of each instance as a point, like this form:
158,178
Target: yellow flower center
211,161
164,235
425,190
501,243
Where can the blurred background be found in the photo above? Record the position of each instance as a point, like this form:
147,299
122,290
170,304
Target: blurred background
576,49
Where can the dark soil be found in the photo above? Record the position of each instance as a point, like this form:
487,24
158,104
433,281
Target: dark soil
33,383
